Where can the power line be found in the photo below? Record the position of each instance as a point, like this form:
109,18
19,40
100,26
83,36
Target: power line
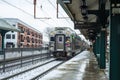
17,8
55,8
41,9
49,15
32,4
24,11
52,6
29,2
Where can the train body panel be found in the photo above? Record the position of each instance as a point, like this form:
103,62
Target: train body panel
64,42
59,42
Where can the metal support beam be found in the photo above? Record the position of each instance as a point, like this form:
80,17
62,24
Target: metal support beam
97,12
102,49
91,25
115,1
35,17
66,9
115,47
2,40
3,35
94,47
98,49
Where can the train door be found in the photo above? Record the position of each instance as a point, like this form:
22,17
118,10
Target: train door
60,42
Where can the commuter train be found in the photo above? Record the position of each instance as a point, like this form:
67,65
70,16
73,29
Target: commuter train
64,42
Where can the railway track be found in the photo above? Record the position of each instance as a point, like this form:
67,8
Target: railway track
14,63
37,77
25,71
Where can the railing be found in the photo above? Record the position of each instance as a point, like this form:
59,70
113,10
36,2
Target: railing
19,56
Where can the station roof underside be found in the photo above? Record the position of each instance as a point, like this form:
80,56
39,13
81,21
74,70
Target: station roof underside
87,14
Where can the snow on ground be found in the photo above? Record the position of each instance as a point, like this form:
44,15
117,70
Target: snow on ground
31,74
73,69
2,75
61,70
68,68
107,69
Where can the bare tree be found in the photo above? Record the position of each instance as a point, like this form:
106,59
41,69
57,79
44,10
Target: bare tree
48,30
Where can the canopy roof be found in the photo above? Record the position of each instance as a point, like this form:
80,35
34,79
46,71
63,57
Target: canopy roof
87,14
4,26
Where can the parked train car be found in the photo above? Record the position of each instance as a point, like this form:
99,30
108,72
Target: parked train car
64,42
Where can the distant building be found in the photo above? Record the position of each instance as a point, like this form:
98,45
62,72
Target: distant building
29,37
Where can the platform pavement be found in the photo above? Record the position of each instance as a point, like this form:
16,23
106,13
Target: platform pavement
82,67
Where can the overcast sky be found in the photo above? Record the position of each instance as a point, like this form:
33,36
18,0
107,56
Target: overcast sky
24,10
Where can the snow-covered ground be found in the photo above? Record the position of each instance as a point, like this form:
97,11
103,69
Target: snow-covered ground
107,69
73,68
6,74
70,65
31,74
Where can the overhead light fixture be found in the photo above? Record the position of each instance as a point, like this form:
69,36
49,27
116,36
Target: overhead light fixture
67,1
84,10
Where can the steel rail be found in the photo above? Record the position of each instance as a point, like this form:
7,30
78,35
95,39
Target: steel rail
11,76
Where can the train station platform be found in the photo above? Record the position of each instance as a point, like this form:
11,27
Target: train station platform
84,66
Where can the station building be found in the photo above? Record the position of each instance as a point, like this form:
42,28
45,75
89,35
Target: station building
29,37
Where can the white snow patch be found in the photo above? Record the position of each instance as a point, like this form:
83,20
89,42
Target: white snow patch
58,73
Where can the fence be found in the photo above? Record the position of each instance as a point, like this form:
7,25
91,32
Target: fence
20,56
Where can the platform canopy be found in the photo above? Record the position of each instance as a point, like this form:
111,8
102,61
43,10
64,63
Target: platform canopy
87,15
4,26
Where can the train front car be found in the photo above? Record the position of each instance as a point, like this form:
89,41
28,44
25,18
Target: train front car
62,42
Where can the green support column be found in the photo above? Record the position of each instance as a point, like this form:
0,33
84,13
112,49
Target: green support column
2,47
3,52
3,35
102,49
115,47
94,46
98,49
98,45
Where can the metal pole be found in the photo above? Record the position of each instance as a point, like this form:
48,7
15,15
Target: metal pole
3,52
21,56
103,49
115,47
94,47
98,49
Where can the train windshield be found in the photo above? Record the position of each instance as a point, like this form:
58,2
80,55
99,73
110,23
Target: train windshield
60,39
52,39
67,38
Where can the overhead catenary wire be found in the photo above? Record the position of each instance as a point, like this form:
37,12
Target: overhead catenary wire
24,11
49,15
42,10
55,8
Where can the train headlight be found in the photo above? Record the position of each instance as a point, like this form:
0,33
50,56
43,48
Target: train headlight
51,48
68,48
67,33
52,33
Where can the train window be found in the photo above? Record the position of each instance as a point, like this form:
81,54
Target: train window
52,39
67,38
8,36
60,39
